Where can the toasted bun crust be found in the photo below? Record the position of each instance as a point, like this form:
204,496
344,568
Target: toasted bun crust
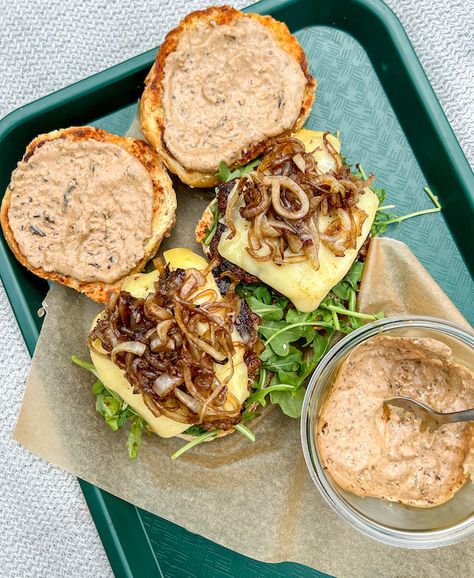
164,205
204,224
151,110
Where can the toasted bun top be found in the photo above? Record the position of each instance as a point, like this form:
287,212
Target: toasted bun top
86,208
223,83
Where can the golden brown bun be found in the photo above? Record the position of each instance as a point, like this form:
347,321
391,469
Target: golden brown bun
164,205
204,224
151,110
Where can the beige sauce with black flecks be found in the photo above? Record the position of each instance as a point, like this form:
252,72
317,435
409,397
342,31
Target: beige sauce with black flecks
372,452
82,208
225,88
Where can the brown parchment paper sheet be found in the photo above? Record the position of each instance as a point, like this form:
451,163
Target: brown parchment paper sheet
257,499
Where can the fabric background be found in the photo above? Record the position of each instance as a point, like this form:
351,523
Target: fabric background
45,526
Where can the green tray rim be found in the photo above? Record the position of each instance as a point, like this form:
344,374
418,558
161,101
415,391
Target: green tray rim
114,523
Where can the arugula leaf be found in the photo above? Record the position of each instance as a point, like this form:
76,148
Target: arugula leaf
195,430
149,267
114,410
288,378
320,347
342,290
331,306
225,175
134,438
85,365
196,441
97,387
290,402
383,219
248,168
249,415
211,231
280,333
295,341
274,362
245,431
260,302
354,276
260,394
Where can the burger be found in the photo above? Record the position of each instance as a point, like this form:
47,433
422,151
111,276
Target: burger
296,222
178,350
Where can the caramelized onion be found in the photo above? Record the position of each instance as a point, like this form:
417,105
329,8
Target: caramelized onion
188,401
285,196
194,278
163,328
155,310
165,383
156,344
232,201
168,345
332,151
300,162
279,182
135,347
258,206
200,343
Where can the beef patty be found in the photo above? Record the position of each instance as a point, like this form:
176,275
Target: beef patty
223,265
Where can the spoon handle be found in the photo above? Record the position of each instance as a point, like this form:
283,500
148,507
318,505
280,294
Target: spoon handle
465,415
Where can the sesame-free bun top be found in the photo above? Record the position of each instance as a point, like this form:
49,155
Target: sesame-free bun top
87,208
222,84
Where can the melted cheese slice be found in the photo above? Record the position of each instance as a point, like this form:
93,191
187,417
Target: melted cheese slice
113,377
303,285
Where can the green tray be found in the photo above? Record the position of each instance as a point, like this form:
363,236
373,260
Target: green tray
371,88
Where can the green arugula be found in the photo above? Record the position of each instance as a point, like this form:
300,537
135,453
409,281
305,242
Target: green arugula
225,175
114,410
290,402
195,430
295,342
384,218
244,430
211,231
195,442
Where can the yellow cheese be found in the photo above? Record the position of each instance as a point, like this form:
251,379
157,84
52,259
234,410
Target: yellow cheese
313,143
113,377
302,284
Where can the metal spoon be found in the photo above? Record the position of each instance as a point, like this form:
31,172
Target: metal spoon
430,418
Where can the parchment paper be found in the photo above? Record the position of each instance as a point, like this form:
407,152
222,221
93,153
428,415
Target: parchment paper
257,499
397,283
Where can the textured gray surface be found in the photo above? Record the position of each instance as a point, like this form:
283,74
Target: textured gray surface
45,527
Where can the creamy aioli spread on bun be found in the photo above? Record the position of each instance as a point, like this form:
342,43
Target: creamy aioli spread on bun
86,208
226,87
222,84
82,208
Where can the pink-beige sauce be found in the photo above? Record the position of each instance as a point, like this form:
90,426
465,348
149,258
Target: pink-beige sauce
372,452
226,87
82,208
